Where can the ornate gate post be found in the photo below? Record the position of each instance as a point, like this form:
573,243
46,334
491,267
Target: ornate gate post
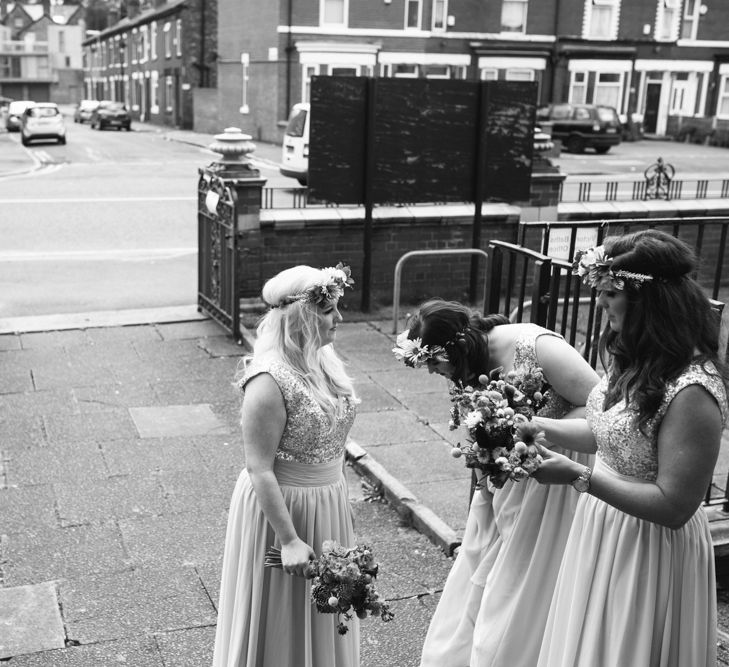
229,205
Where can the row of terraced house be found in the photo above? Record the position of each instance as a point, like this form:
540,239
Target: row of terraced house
663,64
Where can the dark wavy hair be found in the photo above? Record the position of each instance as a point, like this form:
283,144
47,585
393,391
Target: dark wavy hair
459,330
669,321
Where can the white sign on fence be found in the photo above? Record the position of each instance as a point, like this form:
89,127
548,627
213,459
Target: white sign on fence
559,241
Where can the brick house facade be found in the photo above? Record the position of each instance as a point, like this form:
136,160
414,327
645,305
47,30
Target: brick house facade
154,59
656,61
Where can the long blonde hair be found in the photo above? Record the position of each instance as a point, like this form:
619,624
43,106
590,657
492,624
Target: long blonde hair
290,334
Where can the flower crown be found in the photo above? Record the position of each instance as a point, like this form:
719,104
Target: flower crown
595,269
329,287
415,354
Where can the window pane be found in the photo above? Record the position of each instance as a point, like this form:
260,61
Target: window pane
439,14
411,18
513,16
607,95
489,74
334,11
601,22
519,75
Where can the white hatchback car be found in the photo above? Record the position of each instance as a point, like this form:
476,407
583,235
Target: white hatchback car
43,120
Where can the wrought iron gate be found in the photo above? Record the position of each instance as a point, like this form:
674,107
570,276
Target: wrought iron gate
217,275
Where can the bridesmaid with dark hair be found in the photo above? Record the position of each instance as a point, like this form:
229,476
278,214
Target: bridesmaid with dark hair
514,536
637,583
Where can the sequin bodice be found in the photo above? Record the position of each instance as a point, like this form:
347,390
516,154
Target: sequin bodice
621,444
525,359
306,437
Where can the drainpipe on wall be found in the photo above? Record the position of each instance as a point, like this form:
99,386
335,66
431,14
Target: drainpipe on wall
289,49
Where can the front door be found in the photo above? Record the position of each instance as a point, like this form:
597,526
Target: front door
652,100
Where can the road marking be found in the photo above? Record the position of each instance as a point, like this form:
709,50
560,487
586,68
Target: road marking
128,255
94,200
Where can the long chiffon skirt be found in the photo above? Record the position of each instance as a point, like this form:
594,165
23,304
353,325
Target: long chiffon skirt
266,617
496,598
632,592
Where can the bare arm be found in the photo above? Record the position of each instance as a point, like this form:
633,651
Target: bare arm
688,446
572,378
565,369
569,432
263,418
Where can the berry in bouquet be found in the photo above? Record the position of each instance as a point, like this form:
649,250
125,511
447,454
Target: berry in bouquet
342,582
502,441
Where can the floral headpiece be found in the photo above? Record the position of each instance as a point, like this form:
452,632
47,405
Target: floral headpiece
595,269
414,353
329,287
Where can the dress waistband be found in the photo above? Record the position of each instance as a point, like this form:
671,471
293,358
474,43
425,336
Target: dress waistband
292,473
601,464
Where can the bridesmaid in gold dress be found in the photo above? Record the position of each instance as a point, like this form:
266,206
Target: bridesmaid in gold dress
637,582
298,407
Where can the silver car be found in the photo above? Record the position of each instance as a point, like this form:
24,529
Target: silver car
42,121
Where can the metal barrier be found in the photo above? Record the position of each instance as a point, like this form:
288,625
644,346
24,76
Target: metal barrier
217,291
416,253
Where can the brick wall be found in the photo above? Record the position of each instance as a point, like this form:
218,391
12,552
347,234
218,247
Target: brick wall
323,238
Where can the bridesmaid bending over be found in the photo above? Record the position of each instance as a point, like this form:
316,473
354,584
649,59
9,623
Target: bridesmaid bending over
495,602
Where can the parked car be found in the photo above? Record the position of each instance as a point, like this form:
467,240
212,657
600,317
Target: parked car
84,109
580,126
42,121
110,114
295,149
15,114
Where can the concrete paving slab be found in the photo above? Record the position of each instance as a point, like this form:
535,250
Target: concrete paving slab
140,457
418,461
373,398
446,434
22,431
450,496
128,335
175,540
70,462
221,453
105,397
218,346
16,381
211,575
403,381
200,491
29,359
134,602
95,501
109,424
187,648
129,652
195,390
434,406
30,620
79,551
72,375
202,329
387,427
176,420
9,342
27,508
47,338
38,403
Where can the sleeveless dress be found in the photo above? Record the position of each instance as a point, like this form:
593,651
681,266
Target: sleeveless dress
633,592
266,617
496,597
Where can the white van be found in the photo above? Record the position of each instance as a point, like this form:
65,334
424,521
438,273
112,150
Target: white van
295,150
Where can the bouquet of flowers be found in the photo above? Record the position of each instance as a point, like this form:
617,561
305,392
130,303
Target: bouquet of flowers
502,439
342,582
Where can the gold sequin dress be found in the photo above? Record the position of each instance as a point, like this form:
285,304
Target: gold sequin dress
633,592
266,617
496,598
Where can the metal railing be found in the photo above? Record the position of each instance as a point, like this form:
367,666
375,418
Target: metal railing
556,301
606,189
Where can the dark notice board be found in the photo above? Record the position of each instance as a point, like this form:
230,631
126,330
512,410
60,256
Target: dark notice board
424,138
